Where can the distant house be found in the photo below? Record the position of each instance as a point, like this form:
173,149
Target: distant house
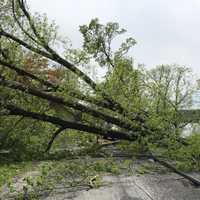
192,102
190,112
195,104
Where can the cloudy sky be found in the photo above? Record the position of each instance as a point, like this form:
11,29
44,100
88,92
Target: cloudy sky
166,31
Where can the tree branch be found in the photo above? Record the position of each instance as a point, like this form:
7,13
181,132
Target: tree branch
25,73
102,103
14,110
75,105
167,165
54,136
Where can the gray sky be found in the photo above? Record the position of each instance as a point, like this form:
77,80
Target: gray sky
166,31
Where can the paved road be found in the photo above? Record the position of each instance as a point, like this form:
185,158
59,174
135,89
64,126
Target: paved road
144,187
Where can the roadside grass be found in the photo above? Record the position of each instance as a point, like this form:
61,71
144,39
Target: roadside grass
10,170
86,167
65,173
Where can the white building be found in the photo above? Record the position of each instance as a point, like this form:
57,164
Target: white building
191,109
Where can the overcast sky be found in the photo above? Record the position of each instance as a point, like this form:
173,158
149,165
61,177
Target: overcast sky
166,31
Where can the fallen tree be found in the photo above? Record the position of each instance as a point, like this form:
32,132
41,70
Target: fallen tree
115,109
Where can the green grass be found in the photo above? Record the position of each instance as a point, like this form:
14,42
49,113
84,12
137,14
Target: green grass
9,171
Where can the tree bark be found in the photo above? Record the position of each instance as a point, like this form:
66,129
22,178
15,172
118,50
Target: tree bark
75,105
14,110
